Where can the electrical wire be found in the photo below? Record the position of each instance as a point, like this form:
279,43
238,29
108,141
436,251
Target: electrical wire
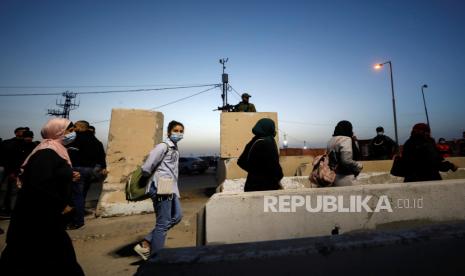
236,91
185,98
109,91
172,102
89,86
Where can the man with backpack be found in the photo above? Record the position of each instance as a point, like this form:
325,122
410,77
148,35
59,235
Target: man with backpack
382,147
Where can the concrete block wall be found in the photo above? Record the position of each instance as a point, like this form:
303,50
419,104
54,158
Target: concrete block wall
301,166
228,168
236,130
237,218
133,133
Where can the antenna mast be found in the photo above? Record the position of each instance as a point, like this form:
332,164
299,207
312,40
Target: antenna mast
67,106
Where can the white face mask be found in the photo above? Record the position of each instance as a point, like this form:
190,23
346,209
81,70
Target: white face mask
380,133
69,138
176,136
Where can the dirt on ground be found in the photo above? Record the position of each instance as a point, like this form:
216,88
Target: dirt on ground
104,246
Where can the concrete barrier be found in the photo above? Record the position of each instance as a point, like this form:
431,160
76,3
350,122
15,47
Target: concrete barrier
236,130
429,250
237,218
230,175
133,133
292,165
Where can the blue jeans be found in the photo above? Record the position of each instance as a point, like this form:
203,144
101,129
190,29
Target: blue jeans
168,213
78,194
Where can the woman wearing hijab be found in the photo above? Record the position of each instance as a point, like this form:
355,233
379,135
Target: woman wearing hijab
37,242
421,158
342,145
261,159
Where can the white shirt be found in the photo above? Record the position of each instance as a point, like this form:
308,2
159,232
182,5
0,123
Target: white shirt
169,166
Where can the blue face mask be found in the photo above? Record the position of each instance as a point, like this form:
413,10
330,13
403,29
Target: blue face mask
176,137
68,138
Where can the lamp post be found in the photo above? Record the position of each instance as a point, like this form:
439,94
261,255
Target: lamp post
424,103
379,66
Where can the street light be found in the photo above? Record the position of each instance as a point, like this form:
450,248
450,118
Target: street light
424,103
379,66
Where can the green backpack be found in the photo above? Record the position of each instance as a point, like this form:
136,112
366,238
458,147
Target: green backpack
137,186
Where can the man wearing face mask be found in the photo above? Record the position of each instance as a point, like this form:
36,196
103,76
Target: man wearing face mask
382,147
83,150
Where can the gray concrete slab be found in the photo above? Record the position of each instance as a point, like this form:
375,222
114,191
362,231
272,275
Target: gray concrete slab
432,250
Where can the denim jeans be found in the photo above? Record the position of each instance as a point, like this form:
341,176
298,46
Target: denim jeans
78,193
168,213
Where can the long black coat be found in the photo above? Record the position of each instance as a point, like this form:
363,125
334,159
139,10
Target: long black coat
37,242
261,160
422,160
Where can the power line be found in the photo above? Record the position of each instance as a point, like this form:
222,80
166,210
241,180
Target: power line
108,91
185,98
89,86
236,91
172,102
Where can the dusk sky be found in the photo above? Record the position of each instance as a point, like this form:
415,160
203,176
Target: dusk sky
310,61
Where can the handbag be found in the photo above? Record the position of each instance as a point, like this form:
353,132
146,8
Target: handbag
165,186
398,167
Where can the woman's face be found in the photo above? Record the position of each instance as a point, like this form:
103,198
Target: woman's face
177,129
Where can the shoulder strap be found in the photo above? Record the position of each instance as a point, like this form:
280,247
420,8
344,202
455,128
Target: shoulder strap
164,155
250,150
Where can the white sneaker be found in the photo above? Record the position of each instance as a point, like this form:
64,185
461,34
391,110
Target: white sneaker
142,251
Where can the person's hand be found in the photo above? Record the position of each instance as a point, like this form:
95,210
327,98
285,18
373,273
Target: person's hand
104,172
76,176
19,183
67,210
454,167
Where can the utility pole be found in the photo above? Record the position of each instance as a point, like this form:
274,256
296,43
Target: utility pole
225,79
67,106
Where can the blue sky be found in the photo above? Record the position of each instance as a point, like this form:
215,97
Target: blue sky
310,61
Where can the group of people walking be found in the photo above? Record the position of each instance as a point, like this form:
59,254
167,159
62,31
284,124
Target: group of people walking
422,159
54,180
53,184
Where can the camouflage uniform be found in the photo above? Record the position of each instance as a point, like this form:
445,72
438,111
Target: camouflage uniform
244,107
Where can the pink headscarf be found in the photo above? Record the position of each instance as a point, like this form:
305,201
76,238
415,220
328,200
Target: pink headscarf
53,132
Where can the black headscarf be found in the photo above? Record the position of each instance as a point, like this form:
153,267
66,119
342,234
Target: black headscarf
264,128
343,128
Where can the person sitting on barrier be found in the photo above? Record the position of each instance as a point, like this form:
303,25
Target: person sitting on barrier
261,159
421,159
163,163
343,146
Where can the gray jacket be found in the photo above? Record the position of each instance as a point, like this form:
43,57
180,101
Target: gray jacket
342,146
168,166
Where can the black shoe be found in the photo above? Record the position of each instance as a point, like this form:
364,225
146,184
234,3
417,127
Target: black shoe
73,226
